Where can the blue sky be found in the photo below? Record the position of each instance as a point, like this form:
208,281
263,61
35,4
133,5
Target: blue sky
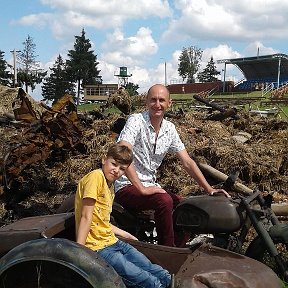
144,34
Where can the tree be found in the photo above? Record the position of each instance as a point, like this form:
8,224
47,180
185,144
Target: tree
82,64
132,88
209,73
57,83
30,73
189,63
4,75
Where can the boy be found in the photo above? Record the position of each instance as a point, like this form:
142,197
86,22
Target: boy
93,206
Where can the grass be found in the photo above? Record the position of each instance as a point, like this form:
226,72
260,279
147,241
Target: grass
285,109
92,106
255,104
87,107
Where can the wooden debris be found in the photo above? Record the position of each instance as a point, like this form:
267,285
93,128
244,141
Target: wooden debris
261,161
224,113
122,100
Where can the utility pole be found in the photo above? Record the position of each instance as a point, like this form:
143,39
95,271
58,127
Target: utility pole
165,71
224,77
14,67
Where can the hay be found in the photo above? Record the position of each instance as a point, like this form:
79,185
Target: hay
7,96
262,160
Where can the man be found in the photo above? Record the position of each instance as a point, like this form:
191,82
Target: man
151,137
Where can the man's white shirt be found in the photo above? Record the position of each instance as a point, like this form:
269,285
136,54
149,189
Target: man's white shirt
148,152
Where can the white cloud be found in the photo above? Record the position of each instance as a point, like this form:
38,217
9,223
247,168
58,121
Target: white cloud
72,15
38,20
117,58
124,8
107,72
257,47
219,52
129,51
233,20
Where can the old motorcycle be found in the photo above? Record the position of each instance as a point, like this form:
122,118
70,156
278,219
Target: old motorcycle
223,222
246,225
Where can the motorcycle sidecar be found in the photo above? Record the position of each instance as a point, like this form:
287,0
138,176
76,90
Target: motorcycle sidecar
37,250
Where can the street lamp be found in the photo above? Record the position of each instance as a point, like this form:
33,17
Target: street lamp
14,66
224,77
165,72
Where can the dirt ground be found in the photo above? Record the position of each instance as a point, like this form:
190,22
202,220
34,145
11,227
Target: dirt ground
255,146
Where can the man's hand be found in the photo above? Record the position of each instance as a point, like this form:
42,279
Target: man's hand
214,191
152,190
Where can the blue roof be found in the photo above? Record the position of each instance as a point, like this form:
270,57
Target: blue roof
261,67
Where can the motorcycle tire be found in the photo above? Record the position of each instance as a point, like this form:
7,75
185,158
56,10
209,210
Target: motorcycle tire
258,251
52,263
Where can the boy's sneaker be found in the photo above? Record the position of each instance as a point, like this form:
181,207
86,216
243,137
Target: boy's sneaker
172,284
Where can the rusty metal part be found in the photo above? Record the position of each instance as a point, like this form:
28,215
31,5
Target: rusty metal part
208,266
56,129
31,228
22,108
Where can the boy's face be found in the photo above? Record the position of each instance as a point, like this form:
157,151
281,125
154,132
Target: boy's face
112,169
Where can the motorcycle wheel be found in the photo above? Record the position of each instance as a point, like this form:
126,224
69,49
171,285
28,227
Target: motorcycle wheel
55,263
258,251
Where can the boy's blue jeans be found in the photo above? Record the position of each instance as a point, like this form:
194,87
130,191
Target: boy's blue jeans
135,268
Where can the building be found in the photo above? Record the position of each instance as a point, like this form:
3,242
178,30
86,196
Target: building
259,71
99,92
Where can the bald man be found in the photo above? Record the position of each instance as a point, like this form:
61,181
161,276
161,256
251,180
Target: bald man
151,137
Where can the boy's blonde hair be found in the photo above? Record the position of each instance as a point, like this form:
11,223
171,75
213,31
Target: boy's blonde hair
120,153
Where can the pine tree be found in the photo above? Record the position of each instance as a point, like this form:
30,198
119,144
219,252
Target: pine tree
209,73
82,64
30,73
4,75
189,63
57,83
132,88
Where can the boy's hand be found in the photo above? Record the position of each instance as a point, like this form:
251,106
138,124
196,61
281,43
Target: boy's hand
123,233
130,236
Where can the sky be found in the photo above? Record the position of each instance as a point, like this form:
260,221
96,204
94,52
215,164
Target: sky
146,36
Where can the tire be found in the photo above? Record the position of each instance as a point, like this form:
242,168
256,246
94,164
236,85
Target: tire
258,251
55,263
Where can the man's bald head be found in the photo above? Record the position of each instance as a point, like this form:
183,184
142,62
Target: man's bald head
156,89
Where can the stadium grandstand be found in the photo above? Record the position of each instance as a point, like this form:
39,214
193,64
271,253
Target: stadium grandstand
264,73
260,72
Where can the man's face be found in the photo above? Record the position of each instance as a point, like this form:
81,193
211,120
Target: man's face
158,101
112,169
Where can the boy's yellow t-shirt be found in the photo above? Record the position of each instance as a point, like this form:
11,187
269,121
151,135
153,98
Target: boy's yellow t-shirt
94,185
